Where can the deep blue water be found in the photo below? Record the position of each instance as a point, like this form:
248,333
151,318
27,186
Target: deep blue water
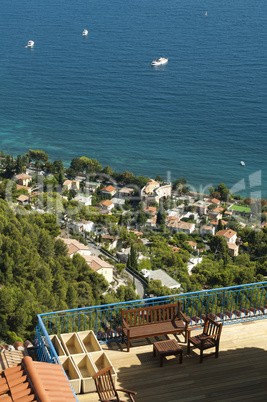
197,117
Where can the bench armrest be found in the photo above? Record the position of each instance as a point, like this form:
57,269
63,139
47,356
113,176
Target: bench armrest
184,317
126,391
125,325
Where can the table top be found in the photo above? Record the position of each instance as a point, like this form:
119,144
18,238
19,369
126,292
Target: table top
169,345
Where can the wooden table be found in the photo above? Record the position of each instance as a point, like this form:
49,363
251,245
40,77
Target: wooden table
167,348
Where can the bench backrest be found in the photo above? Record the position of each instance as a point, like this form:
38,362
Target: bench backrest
152,314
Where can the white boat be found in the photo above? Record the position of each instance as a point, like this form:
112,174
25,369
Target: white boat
85,32
159,62
242,163
30,43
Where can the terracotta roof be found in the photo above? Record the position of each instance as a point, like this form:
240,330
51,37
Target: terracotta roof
215,222
172,218
191,243
214,201
106,203
22,176
206,227
73,246
67,182
96,263
218,209
226,233
153,210
109,189
19,187
35,381
23,198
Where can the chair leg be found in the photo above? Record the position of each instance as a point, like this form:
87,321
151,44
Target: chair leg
188,346
201,356
217,352
128,344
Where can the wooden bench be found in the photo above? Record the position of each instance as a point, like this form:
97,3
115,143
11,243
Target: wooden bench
151,321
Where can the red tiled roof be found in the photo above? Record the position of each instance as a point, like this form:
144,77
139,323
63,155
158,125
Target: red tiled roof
109,189
106,203
35,381
226,233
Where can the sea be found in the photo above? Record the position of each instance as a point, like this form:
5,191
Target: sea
196,117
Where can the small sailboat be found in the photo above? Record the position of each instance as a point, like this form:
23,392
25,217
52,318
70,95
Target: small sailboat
85,32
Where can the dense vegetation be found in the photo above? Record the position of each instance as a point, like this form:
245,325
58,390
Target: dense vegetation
37,276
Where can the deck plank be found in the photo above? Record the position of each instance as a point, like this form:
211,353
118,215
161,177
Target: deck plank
239,374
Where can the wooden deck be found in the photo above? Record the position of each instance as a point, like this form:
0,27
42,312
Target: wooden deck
239,374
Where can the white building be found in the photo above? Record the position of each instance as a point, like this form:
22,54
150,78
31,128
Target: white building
159,274
82,199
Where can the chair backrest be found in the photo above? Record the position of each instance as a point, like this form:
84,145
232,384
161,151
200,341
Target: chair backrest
104,384
212,327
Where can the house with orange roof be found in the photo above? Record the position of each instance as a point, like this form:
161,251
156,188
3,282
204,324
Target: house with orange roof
20,187
215,223
23,199
23,179
214,214
107,205
192,244
151,210
174,248
108,191
100,266
214,201
71,185
185,227
228,234
74,246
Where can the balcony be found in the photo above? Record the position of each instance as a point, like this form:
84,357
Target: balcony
238,374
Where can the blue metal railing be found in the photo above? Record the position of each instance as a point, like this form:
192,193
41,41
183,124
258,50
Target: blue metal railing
229,305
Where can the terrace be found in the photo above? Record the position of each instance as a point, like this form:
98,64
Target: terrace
238,374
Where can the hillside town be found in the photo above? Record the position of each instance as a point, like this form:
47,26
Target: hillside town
116,220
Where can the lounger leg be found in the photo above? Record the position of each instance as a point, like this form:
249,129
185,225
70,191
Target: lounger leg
201,356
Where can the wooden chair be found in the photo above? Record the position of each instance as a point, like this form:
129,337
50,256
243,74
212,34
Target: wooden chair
106,389
210,338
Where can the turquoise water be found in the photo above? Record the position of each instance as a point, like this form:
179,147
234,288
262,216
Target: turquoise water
196,117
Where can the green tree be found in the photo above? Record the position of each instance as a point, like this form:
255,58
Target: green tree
19,165
224,192
107,170
132,260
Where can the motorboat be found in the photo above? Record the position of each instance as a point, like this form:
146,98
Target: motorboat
85,32
242,163
30,43
159,62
